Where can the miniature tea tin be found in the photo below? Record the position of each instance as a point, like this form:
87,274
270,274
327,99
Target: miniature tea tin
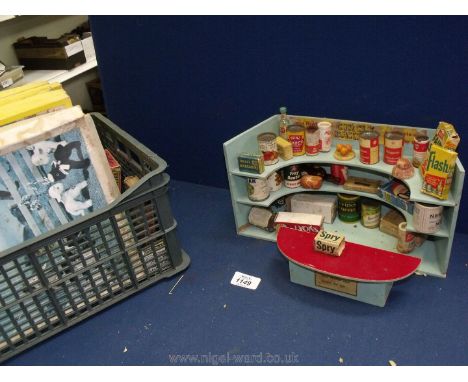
292,176
348,208
257,189
370,213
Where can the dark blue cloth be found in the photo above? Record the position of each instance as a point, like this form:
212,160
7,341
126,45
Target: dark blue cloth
424,322
184,85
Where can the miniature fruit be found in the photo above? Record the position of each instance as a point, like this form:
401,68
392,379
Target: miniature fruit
343,150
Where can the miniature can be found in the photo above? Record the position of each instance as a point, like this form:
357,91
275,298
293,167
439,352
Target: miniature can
257,189
275,181
262,218
296,135
348,208
427,218
325,135
279,205
268,147
292,176
312,146
406,240
339,172
370,213
369,147
393,147
252,163
420,146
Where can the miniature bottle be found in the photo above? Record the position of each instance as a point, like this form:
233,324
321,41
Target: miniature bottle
284,122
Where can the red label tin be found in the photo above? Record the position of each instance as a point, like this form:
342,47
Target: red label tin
339,172
312,141
296,136
420,146
393,147
369,147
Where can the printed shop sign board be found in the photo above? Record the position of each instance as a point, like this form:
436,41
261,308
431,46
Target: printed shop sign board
350,130
53,169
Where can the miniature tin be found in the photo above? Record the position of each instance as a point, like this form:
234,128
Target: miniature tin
312,145
275,181
369,147
257,189
370,213
292,176
406,240
279,205
348,208
296,135
325,135
262,218
339,172
252,163
393,147
427,218
268,147
420,146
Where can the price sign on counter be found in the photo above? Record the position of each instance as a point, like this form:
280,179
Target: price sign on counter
245,281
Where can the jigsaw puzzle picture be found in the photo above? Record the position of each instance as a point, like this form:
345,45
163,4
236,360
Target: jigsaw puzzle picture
45,185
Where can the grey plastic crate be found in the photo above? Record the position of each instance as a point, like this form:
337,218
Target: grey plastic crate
57,279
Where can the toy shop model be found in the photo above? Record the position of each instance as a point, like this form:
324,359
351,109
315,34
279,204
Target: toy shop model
353,206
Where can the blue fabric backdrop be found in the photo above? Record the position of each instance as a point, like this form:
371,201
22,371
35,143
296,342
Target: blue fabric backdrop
184,85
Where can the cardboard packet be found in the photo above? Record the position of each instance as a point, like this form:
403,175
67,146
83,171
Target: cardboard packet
437,171
446,136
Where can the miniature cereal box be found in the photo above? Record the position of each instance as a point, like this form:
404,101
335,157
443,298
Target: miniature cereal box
446,136
299,221
115,168
437,171
330,243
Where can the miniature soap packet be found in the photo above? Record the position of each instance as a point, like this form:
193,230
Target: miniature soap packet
331,243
